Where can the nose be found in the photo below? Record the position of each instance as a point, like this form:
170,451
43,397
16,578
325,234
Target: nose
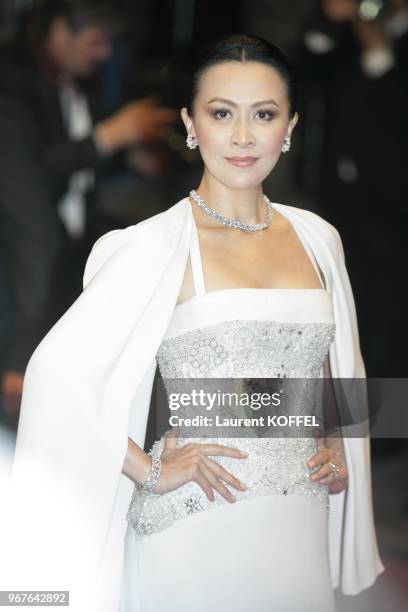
242,135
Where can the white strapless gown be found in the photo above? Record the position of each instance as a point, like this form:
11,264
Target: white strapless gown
268,551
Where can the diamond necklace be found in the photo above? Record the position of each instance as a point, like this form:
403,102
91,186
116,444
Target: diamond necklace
247,227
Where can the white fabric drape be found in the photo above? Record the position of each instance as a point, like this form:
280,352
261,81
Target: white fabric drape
87,388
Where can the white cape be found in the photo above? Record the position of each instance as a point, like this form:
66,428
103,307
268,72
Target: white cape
87,388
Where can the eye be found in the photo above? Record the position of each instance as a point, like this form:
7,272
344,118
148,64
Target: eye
266,115
221,113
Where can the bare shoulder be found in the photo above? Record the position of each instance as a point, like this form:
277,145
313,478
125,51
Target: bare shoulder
280,222
327,231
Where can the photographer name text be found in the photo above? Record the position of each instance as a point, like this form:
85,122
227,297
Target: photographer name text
298,420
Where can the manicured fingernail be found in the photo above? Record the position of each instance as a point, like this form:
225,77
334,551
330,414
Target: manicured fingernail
311,464
233,498
244,453
243,485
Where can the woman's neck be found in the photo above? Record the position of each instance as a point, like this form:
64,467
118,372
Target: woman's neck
245,205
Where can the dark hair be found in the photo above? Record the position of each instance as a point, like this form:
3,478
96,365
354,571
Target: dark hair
242,48
79,14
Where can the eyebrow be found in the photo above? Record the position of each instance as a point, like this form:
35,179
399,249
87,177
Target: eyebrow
231,103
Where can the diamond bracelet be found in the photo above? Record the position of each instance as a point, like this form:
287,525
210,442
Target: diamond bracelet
152,477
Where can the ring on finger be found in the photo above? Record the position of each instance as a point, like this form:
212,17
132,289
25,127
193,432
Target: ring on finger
335,470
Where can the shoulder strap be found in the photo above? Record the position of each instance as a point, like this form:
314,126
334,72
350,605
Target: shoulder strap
196,263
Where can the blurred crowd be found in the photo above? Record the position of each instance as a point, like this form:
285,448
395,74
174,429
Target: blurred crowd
91,140
354,68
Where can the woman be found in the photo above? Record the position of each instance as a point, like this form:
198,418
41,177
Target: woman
255,270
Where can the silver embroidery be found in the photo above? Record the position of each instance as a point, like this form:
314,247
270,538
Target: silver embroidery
192,504
239,349
269,349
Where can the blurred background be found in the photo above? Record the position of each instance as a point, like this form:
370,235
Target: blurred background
91,140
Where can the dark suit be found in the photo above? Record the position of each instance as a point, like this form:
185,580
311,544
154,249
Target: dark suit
355,140
36,161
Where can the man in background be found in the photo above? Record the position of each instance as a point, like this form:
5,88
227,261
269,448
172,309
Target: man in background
55,139
354,62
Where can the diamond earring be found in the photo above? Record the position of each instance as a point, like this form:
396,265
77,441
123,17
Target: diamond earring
286,145
191,141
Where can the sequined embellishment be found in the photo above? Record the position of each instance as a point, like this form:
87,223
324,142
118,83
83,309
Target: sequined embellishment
192,504
275,466
242,348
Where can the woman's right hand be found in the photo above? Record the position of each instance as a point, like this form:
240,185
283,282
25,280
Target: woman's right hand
191,462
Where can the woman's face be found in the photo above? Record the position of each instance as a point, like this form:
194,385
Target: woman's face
240,121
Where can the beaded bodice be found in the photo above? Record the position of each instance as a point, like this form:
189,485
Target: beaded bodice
261,334
245,348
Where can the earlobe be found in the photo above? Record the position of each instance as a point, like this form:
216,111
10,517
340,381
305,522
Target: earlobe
191,140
